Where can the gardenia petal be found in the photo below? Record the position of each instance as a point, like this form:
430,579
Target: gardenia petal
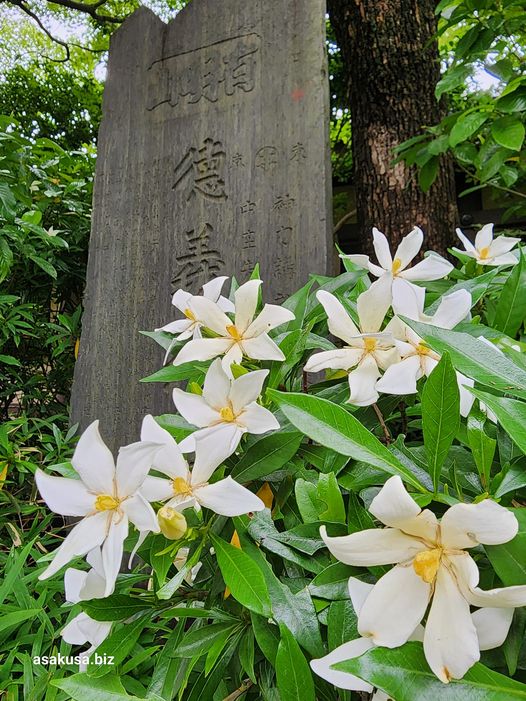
180,326
271,316
433,267
82,629
94,585
140,513
372,305
212,447
408,299
470,248
502,245
209,314
256,419
246,389
358,591
113,549
246,302
347,651
382,250
83,537
506,259
134,461
168,459
467,576
484,237
452,309
228,498
234,355
492,626
357,259
64,496
157,488
395,607
395,508
466,398
212,289
202,349
374,546
362,382
73,582
262,348
216,386
341,359
451,644
339,322
93,461
409,247
467,525
194,408
401,377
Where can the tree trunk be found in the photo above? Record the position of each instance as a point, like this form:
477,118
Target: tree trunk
392,67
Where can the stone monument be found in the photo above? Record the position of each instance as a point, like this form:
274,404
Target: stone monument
212,156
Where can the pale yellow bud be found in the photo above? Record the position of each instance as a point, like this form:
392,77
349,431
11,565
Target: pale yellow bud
172,523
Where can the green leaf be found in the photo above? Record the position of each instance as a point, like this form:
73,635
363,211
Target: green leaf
474,358
511,414
267,455
440,415
404,674
46,267
293,675
173,373
115,607
197,642
465,126
508,132
10,360
511,309
15,618
81,687
482,446
513,102
330,496
267,637
331,426
342,624
428,173
508,559
118,645
8,202
246,654
243,577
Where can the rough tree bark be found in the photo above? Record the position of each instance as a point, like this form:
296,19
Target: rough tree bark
392,68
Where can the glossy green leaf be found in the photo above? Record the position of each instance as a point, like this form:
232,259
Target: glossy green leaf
197,642
508,131
176,373
15,618
511,414
81,687
293,674
115,607
482,446
243,577
404,674
333,427
118,645
474,358
465,126
267,455
428,173
440,415
511,310
508,558
342,624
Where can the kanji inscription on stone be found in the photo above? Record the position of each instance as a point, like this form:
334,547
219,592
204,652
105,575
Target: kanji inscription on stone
212,157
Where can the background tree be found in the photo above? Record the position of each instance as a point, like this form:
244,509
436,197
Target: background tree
390,69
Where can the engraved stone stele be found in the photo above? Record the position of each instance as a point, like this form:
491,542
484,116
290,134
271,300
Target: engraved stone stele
212,156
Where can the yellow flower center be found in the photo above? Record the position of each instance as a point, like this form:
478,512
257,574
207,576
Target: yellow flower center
181,487
369,344
426,564
484,252
189,315
232,331
422,349
397,264
227,414
105,502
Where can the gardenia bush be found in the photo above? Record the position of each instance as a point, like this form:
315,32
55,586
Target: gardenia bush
335,506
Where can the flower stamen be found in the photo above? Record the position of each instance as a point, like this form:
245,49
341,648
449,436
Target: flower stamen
369,344
397,264
227,414
234,333
484,253
426,564
181,487
105,502
189,314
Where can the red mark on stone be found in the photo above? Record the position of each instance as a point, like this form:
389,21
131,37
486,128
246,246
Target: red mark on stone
297,94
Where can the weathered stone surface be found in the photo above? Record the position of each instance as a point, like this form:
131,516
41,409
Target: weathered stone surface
213,156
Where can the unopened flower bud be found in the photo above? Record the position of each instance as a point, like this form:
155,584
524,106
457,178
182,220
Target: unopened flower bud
172,523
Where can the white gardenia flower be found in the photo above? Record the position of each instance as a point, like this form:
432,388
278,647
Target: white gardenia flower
431,565
245,336
488,250
366,350
82,586
394,275
226,410
106,496
492,626
184,488
417,358
190,326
